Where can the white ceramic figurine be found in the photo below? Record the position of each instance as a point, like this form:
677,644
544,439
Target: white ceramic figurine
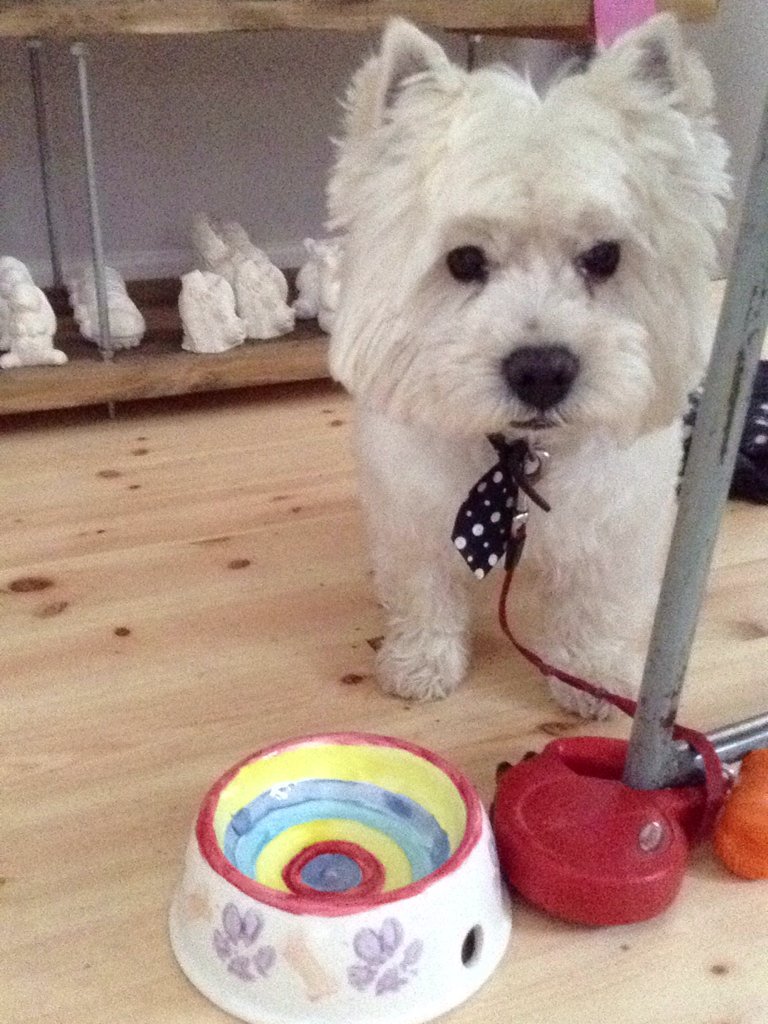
207,308
318,282
260,287
30,328
126,324
259,302
236,238
12,272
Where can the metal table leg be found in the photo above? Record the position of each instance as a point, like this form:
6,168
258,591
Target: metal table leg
79,52
34,47
473,49
653,757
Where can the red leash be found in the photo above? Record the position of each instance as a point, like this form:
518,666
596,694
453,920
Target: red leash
715,783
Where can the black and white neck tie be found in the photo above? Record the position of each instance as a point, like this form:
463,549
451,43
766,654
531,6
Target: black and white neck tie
490,525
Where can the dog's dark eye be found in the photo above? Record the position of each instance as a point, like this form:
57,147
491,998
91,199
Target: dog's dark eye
601,261
468,263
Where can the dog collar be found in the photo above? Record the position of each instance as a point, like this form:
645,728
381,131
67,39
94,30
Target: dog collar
491,522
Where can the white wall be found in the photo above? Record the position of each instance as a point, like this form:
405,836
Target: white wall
236,125
735,47
239,125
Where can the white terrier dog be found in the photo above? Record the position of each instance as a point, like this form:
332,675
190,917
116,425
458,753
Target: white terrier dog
537,268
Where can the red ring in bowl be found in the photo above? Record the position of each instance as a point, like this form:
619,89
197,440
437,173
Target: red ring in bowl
371,869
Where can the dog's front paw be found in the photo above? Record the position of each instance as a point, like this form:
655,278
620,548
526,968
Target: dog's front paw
422,666
577,702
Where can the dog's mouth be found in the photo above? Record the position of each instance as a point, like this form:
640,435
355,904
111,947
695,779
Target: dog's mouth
534,423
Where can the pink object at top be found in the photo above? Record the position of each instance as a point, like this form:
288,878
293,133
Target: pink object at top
615,17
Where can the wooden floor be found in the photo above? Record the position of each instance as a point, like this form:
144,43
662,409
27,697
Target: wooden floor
188,583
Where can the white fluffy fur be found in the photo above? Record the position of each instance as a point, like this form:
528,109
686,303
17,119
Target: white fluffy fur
435,157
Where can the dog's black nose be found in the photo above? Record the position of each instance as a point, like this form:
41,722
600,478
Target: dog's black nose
541,375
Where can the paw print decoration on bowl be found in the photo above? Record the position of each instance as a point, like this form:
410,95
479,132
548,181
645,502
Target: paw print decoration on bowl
340,878
375,949
233,942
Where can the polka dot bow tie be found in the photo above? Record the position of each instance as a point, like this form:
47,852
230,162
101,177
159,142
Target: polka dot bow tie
491,522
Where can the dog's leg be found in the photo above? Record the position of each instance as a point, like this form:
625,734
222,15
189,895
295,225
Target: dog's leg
581,623
410,490
591,581
602,655
426,649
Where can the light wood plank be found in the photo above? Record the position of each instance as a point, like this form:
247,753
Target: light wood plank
135,375
78,18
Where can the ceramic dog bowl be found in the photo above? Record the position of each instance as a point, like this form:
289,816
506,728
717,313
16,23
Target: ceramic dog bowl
340,879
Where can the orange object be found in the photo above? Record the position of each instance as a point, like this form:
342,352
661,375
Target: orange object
741,837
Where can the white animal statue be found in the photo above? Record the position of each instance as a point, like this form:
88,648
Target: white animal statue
80,286
207,308
12,272
30,328
211,248
318,282
261,289
126,324
259,302
236,238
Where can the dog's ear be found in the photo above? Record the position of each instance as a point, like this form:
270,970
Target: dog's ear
404,53
651,63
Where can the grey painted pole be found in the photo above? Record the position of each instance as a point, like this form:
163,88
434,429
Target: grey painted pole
97,245
653,757
34,47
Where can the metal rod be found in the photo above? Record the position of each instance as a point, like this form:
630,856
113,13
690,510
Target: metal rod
732,743
34,46
735,733
652,756
473,48
97,245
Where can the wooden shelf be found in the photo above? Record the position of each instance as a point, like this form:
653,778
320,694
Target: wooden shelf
158,367
70,19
